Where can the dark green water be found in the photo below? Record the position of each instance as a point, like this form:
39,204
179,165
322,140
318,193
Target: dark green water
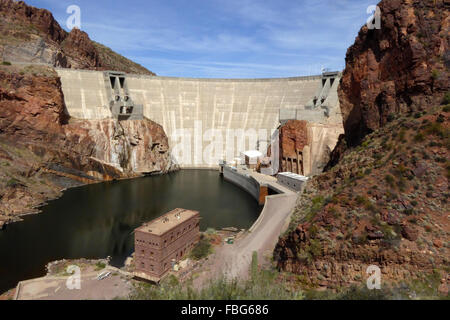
97,221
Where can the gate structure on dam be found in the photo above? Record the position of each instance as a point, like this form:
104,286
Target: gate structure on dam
121,103
207,120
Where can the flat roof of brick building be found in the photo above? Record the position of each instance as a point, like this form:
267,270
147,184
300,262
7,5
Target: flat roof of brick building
167,221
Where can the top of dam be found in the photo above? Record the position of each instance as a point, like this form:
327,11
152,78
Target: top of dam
135,75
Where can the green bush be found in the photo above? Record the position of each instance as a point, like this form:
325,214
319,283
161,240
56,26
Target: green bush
391,117
100,265
6,63
264,286
419,137
315,248
202,249
390,180
435,74
446,99
12,183
435,129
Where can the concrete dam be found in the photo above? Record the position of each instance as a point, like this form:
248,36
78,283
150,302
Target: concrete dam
207,120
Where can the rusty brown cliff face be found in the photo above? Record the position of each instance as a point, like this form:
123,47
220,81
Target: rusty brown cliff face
383,198
400,68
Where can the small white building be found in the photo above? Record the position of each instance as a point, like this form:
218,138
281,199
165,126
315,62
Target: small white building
291,180
251,158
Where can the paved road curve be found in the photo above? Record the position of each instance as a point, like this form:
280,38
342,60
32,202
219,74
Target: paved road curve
233,261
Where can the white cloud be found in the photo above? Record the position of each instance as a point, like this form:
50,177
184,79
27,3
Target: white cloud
229,38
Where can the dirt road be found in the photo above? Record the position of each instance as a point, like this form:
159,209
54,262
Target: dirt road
233,261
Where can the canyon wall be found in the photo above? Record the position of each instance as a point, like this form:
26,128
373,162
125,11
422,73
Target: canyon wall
384,198
398,69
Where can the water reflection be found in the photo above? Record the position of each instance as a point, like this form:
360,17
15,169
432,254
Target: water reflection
97,220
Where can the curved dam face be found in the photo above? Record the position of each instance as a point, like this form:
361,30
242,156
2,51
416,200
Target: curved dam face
208,120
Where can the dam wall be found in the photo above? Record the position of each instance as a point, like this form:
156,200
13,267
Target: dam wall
244,181
206,120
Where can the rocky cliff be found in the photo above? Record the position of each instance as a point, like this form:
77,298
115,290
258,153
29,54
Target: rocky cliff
32,35
385,200
42,151
311,143
398,69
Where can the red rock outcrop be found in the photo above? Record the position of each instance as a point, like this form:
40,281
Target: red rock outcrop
81,50
42,19
398,69
310,143
293,137
32,35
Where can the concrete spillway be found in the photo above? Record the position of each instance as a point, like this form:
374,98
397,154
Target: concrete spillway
207,119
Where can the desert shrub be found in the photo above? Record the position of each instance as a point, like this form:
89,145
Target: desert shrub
12,183
391,117
202,249
263,286
315,247
6,63
446,99
313,231
363,293
435,129
361,199
419,137
390,180
100,265
435,74
317,204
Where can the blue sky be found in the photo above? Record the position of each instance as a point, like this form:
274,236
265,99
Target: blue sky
223,38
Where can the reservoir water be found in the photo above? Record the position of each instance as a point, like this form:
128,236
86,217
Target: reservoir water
97,221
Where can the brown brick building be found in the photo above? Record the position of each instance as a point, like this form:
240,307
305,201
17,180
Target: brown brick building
166,239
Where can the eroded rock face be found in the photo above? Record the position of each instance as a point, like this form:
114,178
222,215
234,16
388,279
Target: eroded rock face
80,50
293,137
399,69
133,147
42,151
312,143
32,35
42,19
